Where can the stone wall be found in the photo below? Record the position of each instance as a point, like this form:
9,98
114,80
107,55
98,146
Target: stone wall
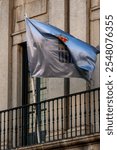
95,37
53,12
83,23
5,53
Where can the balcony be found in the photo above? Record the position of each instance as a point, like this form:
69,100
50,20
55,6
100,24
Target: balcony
74,116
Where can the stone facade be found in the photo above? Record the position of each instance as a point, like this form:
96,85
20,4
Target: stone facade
79,143
81,19
83,23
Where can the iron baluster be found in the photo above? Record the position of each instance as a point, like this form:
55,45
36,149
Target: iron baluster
80,115
94,112
75,117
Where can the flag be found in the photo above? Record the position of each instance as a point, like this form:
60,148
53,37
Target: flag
55,53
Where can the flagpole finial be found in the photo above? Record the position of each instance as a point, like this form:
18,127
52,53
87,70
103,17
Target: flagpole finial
25,15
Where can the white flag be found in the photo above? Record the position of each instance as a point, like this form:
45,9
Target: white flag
54,53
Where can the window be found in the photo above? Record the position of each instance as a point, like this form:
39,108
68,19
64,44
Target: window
40,85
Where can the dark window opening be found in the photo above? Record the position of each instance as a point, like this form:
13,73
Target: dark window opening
27,98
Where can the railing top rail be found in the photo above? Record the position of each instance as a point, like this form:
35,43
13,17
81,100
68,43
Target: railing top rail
52,99
78,93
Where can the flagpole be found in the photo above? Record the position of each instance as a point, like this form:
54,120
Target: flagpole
66,80
34,101
67,29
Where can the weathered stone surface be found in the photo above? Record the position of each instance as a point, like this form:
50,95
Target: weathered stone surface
78,18
56,18
95,3
19,30
32,9
35,8
57,13
94,39
5,60
22,2
53,12
16,76
78,28
55,87
95,14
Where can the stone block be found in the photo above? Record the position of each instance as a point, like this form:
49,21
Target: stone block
32,9
95,3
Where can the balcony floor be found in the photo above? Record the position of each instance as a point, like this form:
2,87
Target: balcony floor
89,142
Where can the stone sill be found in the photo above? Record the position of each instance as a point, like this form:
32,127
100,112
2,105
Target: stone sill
66,143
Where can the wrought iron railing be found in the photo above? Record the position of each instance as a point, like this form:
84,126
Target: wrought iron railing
54,119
